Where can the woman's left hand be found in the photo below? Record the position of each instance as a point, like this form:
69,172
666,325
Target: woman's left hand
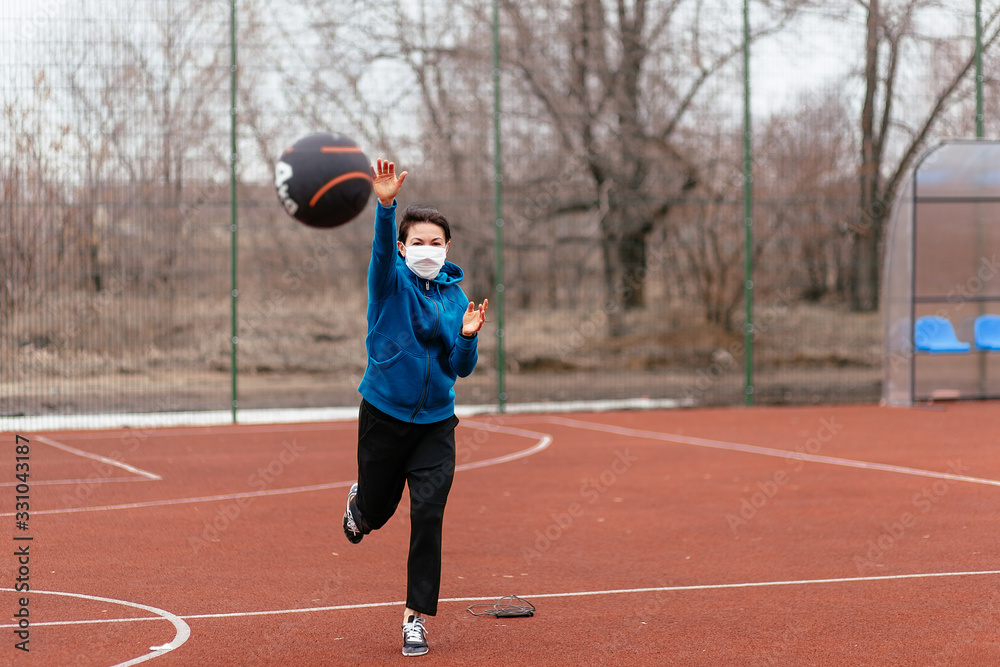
472,320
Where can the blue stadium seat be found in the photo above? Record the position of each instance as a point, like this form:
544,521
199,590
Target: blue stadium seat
933,333
988,332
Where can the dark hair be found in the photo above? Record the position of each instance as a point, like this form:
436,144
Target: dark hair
415,213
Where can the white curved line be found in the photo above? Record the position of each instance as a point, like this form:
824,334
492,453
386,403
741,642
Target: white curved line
181,636
543,442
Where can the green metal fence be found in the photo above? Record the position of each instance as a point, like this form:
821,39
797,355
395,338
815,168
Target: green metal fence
660,204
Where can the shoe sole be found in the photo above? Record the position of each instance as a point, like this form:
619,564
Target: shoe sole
352,537
413,655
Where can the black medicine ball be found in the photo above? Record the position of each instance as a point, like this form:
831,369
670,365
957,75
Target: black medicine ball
323,180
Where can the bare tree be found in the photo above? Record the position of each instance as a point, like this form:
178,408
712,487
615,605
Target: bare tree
30,189
892,132
147,105
710,249
621,84
805,188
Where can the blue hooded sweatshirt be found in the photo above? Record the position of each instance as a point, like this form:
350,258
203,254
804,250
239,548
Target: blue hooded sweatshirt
415,347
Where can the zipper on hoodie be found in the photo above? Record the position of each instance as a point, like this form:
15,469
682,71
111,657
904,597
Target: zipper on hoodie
427,352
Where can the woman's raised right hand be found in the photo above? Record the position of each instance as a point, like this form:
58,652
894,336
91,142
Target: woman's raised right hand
384,181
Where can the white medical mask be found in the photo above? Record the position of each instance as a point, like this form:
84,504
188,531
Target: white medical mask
425,260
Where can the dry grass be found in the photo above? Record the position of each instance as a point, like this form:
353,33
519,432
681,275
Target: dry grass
307,348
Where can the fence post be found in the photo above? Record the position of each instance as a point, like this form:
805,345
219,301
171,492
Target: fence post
498,207
234,340
979,70
748,331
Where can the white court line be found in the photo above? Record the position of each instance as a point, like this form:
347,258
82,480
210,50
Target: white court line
658,589
93,480
574,594
544,441
767,451
147,432
171,419
98,457
166,433
198,499
183,630
298,415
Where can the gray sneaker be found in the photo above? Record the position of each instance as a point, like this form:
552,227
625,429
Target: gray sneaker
351,529
414,637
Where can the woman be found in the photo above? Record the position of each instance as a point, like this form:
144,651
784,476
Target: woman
422,335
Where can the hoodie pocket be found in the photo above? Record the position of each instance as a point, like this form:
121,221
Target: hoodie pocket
384,352
396,375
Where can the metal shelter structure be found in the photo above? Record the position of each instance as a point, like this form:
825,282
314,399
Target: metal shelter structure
941,280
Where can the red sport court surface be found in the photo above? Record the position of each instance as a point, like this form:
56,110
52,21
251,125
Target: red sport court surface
846,535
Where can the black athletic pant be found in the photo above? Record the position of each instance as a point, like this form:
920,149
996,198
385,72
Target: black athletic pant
391,452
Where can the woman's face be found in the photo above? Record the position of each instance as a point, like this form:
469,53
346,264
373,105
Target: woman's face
424,233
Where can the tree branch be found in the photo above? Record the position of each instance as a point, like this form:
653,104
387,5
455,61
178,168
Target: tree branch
893,183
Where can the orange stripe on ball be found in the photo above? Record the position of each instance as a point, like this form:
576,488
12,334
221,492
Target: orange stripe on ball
336,181
339,149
